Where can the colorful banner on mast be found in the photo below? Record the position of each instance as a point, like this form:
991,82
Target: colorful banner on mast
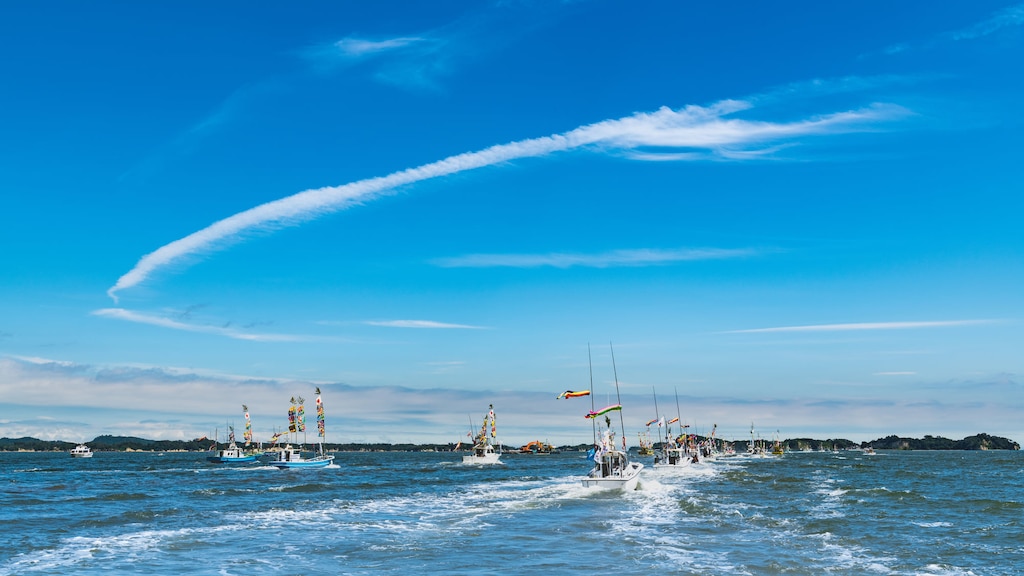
247,435
319,414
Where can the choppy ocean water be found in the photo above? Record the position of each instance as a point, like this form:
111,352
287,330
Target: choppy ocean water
927,513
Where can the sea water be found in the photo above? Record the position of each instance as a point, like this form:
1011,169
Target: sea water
925,513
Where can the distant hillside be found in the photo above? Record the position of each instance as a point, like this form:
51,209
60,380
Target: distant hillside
976,442
34,444
122,443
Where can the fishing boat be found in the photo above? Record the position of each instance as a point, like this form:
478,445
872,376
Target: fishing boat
756,447
486,449
674,451
288,457
777,448
81,451
674,454
646,446
612,468
232,454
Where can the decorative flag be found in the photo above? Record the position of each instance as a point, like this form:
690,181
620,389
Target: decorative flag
603,411
319,414
300,417
494,430
673,421
248,426
571,394
291,416
652,421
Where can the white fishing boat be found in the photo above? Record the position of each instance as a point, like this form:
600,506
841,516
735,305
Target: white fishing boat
81,451
612,469
674,451
232,454
288,457
756,448
486,449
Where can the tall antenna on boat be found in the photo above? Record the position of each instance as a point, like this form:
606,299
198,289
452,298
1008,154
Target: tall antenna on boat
593,423
678,413
658,414
618,399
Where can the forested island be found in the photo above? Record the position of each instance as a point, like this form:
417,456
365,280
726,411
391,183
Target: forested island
976,442
893,442
133,444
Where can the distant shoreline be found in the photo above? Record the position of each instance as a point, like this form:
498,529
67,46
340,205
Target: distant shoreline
133,444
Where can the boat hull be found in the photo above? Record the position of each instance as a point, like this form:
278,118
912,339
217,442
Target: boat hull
231,459
321,462
485,459
627,481
676,464
232,455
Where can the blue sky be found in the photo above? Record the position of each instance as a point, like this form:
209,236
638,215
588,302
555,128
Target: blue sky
805,217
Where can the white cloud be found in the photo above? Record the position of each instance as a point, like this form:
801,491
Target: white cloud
352,50
360,48
605,260
1011,16
408,61
418,324
865,326
78,402
141,318
706,128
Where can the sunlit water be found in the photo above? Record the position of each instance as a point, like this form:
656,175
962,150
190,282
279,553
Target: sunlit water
926,513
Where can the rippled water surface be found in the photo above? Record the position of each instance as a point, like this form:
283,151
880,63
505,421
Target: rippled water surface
926,513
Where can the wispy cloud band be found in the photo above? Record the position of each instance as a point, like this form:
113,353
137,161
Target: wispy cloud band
1005,18
707,128
615,258
138,317
864,326
419,324
359,47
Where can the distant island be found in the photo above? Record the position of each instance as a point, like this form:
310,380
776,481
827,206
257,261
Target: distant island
133,444
976,442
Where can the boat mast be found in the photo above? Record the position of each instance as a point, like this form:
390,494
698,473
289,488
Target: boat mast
658,414
593,423
618,399
679,415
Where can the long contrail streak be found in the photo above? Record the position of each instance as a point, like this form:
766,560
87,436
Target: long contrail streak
693,127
